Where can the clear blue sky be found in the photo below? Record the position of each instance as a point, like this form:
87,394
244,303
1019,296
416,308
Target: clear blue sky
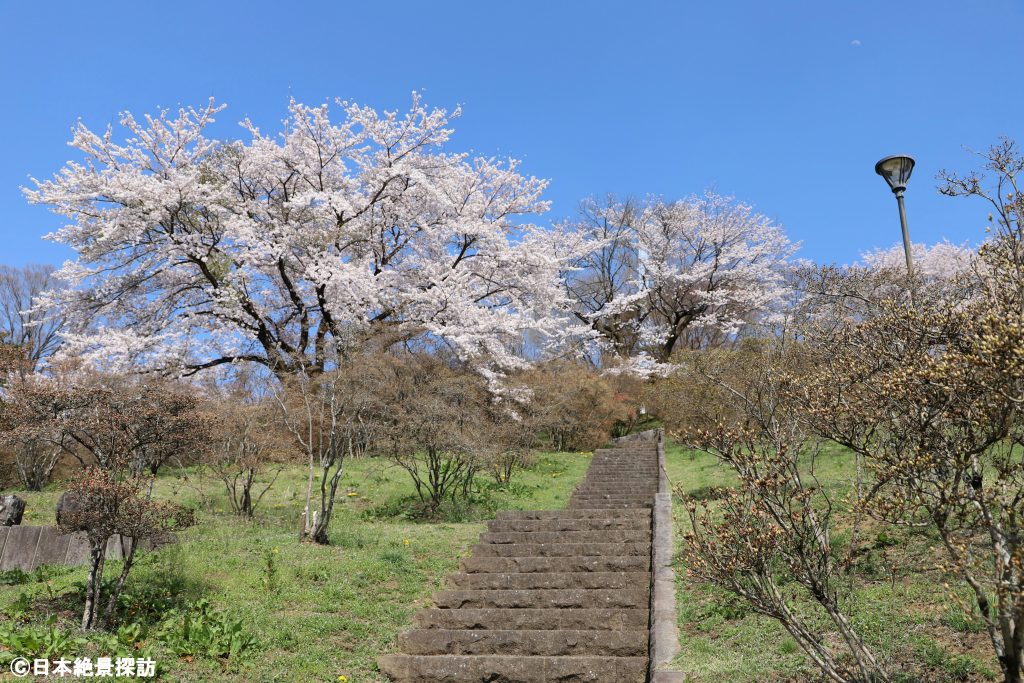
787,105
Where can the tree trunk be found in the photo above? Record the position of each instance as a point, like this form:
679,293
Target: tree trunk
1011,661
93,584
309,496
129,558
246,505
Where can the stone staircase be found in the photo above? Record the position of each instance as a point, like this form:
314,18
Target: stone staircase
547,596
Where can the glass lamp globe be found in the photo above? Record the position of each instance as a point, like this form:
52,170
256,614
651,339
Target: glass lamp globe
896,171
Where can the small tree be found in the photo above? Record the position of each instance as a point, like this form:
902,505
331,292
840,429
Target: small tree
330,416
110,425
248,441
509,439
113,500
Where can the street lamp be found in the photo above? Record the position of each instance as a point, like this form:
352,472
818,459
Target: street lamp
896,172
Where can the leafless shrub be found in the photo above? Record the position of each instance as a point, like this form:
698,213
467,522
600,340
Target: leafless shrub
249,444
436,426
573,407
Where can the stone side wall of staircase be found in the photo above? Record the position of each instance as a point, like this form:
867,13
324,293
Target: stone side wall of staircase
557,595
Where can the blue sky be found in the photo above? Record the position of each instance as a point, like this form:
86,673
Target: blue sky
786,105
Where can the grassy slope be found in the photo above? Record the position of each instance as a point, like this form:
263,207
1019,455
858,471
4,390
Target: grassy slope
332,609
902,610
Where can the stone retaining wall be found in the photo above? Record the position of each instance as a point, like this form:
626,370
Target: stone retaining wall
27,547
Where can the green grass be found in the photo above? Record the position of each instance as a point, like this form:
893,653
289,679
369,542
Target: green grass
899,606
317,612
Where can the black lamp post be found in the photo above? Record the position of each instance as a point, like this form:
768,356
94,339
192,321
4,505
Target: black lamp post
896,172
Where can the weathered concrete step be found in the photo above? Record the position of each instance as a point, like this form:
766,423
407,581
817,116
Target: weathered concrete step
533,619
549,580
582,524
599,502
603,536
436,641
630,465
616,488
611,505
614,498
575,563
560,549
579,513
555,598
601,487
513,669
622,477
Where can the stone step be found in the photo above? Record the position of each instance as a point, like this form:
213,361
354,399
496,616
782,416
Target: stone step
533,619
575,563
436,641
548,580
623,487
554,598
579,513
635,467
616,488
626,497
599,501
583,524
611,505
512,669
603,536
560,549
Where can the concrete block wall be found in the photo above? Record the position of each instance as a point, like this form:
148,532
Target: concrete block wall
27,547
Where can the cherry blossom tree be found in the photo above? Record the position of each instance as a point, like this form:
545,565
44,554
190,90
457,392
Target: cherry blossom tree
194,252
940,261
665,275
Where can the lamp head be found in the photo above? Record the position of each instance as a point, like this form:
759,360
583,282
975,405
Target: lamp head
896,171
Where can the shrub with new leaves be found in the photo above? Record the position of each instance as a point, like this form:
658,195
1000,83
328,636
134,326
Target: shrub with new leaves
100,419
773,532
122,429
928,390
